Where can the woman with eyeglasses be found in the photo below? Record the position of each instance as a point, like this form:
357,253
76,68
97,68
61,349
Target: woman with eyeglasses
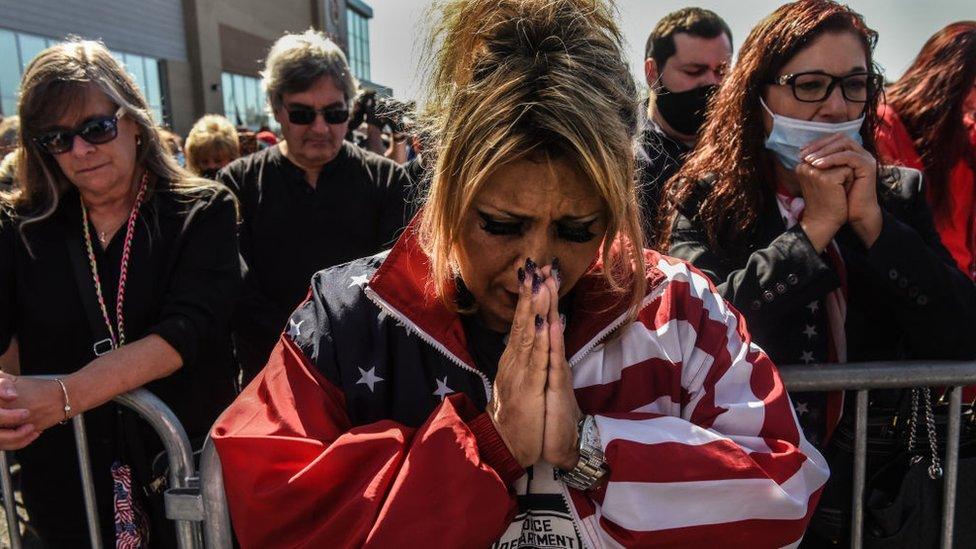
830,256
118,270
313,200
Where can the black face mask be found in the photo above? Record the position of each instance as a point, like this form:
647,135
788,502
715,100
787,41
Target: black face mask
684,111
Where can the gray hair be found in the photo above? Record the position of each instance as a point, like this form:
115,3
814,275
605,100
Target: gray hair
297,61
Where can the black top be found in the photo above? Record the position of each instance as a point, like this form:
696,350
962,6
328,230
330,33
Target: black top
660,158
906,298
291,230
184,275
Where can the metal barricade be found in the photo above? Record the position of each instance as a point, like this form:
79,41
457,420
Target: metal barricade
182,499
861,377
192,500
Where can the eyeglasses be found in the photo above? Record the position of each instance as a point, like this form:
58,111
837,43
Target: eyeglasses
816,86
97,132
306,115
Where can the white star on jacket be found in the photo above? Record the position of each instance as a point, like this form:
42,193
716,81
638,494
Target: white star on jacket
368,378
801,408
813,306
358,281
442,389
806,357
294,330
810,331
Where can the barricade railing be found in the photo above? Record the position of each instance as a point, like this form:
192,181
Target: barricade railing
192,500
181,499
860,378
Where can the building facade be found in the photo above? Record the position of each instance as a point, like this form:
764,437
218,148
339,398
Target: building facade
190,57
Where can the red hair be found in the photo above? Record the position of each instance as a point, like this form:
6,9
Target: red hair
731,149
929,100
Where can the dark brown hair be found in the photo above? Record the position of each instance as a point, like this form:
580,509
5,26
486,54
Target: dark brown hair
929,99
731,149
694,21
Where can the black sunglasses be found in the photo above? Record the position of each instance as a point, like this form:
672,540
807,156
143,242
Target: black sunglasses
306,115
97,132
816,86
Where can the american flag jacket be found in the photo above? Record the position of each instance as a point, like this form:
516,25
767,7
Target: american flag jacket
367,426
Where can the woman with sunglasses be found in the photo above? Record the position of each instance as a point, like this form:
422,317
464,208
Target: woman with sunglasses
313,200
830,257
118,269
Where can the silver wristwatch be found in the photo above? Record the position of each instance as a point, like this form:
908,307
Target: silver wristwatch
591,466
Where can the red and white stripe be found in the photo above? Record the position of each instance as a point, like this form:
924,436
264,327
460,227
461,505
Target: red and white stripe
698,430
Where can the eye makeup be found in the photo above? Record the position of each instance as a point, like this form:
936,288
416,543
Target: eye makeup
571,231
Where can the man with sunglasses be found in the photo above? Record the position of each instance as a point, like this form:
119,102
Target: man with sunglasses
313,200
685,59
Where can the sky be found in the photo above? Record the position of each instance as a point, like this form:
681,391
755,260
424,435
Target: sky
398,28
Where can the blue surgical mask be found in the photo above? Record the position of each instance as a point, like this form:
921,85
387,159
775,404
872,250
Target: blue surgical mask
790,135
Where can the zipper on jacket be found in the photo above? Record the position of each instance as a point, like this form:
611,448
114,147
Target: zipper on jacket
427,338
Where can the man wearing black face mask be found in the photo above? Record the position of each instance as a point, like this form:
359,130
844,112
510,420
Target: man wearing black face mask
685,59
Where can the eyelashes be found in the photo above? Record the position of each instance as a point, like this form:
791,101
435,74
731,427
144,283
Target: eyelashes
575,232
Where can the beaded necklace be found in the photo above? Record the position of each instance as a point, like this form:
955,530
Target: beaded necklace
117,337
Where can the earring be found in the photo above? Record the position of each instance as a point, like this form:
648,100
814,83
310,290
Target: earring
138,141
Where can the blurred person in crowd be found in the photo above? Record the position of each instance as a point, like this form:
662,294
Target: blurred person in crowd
248,141
831,257
211,144
436,378
118,270
9,129
928,123
313,200
266,138
8,171
174,143
384,125
685,59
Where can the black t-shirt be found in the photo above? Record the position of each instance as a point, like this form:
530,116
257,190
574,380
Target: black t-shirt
291,230
659,159
184,275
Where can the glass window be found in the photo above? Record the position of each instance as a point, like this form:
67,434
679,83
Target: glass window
30,46
17,49
153,88
227,84
9,73
244,102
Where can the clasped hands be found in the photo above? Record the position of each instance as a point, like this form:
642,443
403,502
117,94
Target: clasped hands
533,405
838,180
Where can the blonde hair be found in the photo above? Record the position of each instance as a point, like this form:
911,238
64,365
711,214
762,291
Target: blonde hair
297,61
211,135
517,79
56,81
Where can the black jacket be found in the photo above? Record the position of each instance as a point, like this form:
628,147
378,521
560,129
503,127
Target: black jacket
290,230
906,298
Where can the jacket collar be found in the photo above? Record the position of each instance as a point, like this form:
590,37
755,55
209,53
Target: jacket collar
403,285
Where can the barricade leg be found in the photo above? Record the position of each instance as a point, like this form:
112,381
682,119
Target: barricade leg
9,505
860,463
951,467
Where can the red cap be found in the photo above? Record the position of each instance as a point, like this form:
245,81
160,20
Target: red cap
267,138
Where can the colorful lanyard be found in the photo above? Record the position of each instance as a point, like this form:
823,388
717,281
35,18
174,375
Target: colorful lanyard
116,337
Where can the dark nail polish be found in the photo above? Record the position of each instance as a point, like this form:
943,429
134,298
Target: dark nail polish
521,275
555,263
538,322
529,265
536,283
